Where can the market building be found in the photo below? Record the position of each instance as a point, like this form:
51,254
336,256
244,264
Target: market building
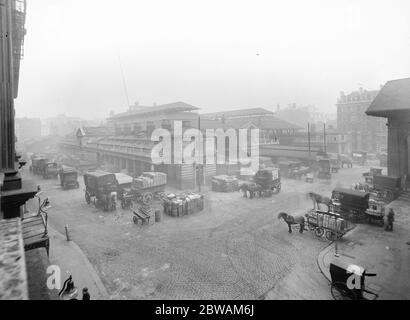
393,103
126,144
367,133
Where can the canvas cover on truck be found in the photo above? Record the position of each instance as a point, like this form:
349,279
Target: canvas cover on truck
98,179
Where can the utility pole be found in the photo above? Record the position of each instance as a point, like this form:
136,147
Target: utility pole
199,166
324,137
309,140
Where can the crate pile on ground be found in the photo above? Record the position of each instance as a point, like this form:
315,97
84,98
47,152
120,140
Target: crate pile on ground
177,205
225,183
150,179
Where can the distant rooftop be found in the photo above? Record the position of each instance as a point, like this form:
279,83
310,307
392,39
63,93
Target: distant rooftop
260,122
142,110
238,113
357,96
394,96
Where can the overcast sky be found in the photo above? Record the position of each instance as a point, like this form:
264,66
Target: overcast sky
212,54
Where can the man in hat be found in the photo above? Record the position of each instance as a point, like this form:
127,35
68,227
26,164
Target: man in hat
390,220
86,295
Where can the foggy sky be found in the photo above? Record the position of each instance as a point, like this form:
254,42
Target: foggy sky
212,54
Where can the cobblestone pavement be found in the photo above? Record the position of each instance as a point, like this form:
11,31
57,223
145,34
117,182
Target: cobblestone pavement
234,249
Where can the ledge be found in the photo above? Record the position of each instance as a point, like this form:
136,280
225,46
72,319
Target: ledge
13,276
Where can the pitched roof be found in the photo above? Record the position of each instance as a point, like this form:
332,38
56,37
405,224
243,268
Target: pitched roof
261,122
169,107
93,131
238,113
394,96
288,151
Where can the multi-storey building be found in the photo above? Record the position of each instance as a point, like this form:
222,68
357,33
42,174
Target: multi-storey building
129,146
367,133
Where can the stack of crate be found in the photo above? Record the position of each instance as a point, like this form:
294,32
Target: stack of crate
183,204
150,179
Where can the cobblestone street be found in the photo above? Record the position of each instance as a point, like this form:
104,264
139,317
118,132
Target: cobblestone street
236,248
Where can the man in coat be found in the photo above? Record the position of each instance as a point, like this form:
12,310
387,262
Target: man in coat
390,220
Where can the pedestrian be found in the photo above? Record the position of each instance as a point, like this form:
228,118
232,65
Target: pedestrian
86,295
390,220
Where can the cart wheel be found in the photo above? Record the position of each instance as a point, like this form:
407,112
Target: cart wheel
87,198
319,232
331,236
147,198
134,218
341,292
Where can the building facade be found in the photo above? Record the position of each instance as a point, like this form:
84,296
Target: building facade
128,146
367,133
393,103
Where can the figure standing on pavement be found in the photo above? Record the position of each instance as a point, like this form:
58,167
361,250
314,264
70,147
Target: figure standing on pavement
390,220
86,295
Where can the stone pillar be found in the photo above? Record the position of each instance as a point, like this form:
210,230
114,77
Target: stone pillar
7,84
135,167
397,158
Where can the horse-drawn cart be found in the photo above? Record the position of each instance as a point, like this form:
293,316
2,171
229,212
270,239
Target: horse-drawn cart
329,224
348,281
264,183
387,187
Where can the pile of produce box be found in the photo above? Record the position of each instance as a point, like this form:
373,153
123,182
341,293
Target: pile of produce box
183,204
150,179
327,221
225,183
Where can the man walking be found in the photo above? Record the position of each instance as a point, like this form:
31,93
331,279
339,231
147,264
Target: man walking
390,220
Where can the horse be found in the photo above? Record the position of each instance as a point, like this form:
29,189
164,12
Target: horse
251,187
319,199
289,219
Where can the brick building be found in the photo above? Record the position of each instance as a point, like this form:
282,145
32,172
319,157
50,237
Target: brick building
367,133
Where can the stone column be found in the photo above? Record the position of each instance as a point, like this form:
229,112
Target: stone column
6,89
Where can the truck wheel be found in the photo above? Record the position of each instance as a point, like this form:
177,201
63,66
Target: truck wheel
319,232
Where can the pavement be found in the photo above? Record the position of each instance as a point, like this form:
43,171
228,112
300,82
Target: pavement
382,252
72,261
235,248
